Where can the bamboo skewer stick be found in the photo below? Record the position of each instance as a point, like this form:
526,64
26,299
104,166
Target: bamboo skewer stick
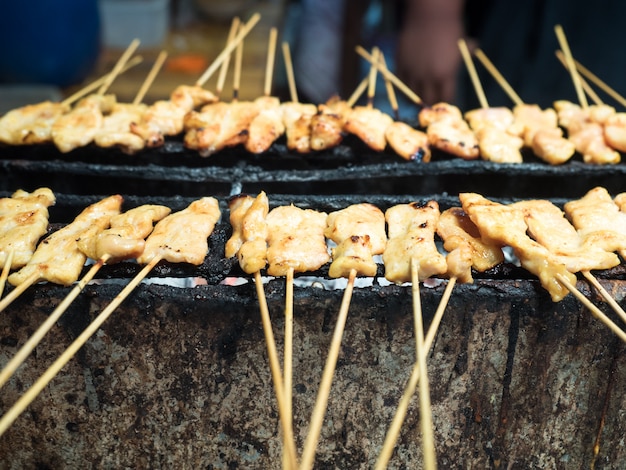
243,31
387,74
17,360
156,67
426,419
595,311
394,429
586,87
495,73
359,90
317,417
5,271
271,58
279,388
237,72
13,413
469,64
293,93
288,354
95,84
609,299
371,85
19,290
599,83
391,93
118,66
560,34
221,79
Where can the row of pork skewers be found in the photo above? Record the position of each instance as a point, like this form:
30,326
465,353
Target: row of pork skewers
587,234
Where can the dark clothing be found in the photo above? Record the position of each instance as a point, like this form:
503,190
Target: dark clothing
520,40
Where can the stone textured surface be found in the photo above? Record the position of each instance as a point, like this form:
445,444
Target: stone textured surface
179,378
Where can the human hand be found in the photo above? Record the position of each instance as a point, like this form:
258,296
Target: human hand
428,57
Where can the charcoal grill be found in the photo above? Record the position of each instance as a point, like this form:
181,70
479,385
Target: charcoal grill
179,377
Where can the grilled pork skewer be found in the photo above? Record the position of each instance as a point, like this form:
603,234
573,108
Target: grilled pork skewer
448,131
122,240
166,242
359,231
23,221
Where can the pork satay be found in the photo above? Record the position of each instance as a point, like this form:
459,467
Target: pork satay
327,124
368,124
505,225
31,124
165,117
266,127
496,141
615,131
115,130
182,237
125,238
599,221
585,133
297,120
57,258
238,207
448,131
466,249
439,112
412,230
539,129
549,227
202,127
79,126
23,221
252,254
359,232
295,240
408,142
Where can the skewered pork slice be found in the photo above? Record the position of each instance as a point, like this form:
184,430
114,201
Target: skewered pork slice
252,254
408,142
266,126
23,221
327,124
297,120
57,258
31,124
412,230
182,237
115,130
295,240
368,124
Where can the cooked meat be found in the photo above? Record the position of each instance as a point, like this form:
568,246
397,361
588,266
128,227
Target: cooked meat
355,252
327,124
439,112
368,124
454,137
466,249
115,130
497,145
615,131
125,238
506,225
31,124
412,230
238,207
23,221
358,219
409,143
266,126
599,220
295,240
252,254
57,258
548,226
79,126
585,133
539,129
501,118
165,117
182,237
297,120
